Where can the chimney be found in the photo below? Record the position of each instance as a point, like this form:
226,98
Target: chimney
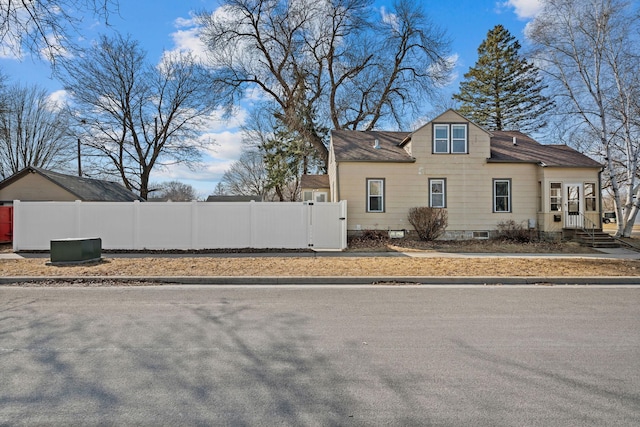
376,144
515,141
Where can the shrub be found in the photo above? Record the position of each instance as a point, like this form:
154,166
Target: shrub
377,235
513,232
429,223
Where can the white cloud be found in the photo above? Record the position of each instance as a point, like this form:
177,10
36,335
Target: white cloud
446,70
187,38
524,9
389,18
217,120
228,145
59,99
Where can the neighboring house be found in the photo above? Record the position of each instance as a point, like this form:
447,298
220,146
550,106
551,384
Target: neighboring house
36,184
481,178
315,188
234,199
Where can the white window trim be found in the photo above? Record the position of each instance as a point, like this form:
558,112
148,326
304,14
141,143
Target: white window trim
369,195
449,127
593,197
444,192
441,126
495,195
466,139
557,199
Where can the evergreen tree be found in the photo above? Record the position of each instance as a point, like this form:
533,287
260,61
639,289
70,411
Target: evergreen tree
287,157
503,91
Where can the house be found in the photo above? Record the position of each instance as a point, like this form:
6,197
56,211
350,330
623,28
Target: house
36,184
481,178
219,199
315,188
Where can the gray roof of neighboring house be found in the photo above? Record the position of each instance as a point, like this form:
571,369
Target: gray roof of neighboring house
234,199
85,189
358,146
527,150
314,181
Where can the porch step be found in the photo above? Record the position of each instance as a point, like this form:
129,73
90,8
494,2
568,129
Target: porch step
596,239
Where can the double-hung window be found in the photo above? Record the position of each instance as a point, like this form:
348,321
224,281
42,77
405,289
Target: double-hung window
502,195
450,138
555,196
375,195
590,197
437,193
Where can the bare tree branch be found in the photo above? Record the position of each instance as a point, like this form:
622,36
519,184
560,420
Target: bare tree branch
137,115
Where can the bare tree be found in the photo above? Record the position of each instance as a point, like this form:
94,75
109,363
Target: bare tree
590,48
46,26
247,176
136,115
33,131
219,190
175,191
327,64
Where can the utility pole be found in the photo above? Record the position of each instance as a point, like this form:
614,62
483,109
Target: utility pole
79,161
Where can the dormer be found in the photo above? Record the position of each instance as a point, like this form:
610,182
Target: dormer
449,134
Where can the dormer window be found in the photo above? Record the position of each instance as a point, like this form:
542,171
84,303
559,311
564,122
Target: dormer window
450,139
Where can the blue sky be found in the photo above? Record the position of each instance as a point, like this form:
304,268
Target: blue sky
166,25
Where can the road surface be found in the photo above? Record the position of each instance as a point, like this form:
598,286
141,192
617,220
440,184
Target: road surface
320,356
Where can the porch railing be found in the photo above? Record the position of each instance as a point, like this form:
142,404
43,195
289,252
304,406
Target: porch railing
589,227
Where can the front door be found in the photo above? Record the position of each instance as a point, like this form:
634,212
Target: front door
573,211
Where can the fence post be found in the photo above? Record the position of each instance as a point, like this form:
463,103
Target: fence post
77,210
343,224
136,224
311,227
194,225
252,222
16,225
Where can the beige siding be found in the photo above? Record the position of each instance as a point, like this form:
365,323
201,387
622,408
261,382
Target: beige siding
565,176
422,141
34,187
469,192
469,185
315,191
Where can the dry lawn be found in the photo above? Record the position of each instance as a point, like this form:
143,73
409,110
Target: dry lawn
327,266
299,266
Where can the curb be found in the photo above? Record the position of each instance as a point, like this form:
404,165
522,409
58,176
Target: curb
334,280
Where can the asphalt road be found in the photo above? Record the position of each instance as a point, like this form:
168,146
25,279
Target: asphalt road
320,356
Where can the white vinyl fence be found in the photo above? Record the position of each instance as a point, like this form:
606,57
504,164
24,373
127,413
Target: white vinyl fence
184,225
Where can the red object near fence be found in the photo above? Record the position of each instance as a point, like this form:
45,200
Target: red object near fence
6,224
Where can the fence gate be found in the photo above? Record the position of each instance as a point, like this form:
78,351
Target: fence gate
328,225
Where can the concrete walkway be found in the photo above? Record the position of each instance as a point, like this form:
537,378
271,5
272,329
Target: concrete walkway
613,253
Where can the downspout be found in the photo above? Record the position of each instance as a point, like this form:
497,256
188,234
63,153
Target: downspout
600,210
337,182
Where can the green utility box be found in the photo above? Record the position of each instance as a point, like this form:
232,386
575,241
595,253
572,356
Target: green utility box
76,250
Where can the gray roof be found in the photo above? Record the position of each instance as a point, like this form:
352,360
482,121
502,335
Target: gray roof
527,150
234,199
314,181
358,146
85,189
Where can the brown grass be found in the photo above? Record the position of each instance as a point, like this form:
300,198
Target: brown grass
385,266
328,266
